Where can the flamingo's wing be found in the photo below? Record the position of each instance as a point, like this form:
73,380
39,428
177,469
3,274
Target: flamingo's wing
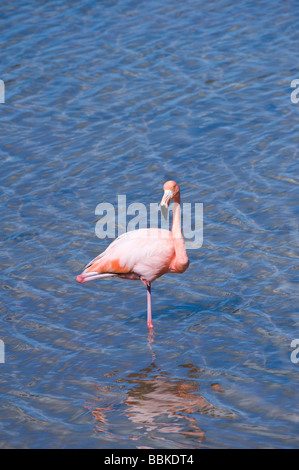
144,253
108,249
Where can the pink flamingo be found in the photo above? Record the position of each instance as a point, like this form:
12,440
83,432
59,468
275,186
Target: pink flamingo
144,254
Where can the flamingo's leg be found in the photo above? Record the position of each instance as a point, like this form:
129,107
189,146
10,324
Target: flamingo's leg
149,306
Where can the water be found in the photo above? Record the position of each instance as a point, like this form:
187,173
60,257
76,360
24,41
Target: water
116,97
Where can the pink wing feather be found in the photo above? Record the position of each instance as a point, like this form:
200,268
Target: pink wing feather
144,253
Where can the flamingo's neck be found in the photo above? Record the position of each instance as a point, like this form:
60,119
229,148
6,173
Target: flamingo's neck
182,260
176,217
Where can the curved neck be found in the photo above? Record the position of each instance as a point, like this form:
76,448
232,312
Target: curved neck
182,260
176,217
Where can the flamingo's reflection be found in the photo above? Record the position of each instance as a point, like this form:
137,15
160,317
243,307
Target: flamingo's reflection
157,404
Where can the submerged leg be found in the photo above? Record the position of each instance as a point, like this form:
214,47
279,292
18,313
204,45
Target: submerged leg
149,306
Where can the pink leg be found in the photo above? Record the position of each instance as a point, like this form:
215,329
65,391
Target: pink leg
149,306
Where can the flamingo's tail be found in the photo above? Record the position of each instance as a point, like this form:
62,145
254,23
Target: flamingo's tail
90,276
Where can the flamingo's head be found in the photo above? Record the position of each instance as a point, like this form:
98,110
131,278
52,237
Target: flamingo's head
171,190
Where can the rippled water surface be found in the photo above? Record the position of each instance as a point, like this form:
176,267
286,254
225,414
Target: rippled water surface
115,97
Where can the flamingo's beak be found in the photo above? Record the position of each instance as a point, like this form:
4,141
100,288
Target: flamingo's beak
165,202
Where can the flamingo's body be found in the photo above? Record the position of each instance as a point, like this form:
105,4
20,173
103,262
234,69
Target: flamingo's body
144,254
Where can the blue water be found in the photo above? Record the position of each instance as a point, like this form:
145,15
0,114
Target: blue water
116,97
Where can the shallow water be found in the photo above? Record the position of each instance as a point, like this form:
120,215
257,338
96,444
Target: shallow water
116,97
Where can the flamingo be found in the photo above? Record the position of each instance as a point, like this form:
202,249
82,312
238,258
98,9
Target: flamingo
144,254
